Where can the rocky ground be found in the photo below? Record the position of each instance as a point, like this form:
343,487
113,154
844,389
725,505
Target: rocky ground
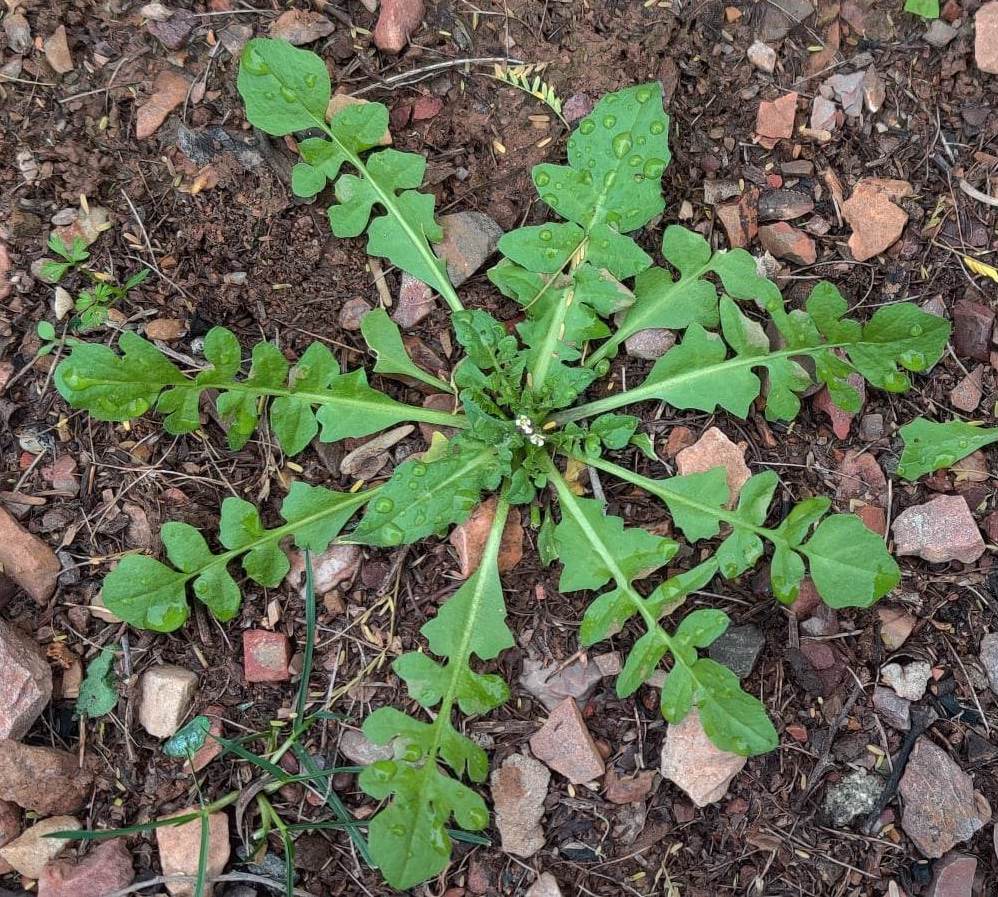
836,139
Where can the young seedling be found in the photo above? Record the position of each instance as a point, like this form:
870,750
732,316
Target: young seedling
531,401
92,305
52,270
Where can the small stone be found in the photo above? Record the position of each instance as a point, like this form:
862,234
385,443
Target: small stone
29,853
469,239
18,32
860,476
469,539
628,789
577,106
426,107
893,709
415,302
545,886
166,694
940,34
739,220
786,242
738,648
967,394
359,749
856,795
939,531
166,329
42,779
300,27
89,224
57,51
876,221
848,90
180,850
762,56
717,190
608,664
565,745
649,344
818,668
986,38
973,324
692,762
823,114
871,427
352,313
784,205
874,90
440,401
338,564
989,658
775,120
26,683
266,656
169,91
895,626
941,808
910,681
396,21
106,869
714,449
27,560
519,788
953,876
553,683
173,31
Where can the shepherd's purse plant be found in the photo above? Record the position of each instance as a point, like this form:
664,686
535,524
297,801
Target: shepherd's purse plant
529,400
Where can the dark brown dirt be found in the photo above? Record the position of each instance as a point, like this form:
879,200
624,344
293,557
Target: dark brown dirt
79,129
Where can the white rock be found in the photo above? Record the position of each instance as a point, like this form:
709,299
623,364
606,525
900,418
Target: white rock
908,681
29,853
519,788
545,886
166,695
692,762
26,686
762,56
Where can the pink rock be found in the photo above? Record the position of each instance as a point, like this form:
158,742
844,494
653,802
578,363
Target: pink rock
27,560
397,20
415,302
986,38
714,449
941,808
784,241
4,270
895,626
180,849
25,683
740,219
860,476
577,106
822,114
628,789
564,744
941,530
775,120
519,788
469,539
42,779
300,27
336,565
692,762
169,91
426,108
973,324
265,656
953,876
876,221
106,869
10,828
966,395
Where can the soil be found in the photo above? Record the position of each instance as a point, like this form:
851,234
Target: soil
937,125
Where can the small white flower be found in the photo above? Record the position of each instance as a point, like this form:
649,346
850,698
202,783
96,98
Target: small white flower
525,425
536,439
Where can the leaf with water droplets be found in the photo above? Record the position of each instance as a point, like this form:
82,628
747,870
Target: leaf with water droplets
932,445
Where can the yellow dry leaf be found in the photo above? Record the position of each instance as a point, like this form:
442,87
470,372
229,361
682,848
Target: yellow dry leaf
983,268
573,473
